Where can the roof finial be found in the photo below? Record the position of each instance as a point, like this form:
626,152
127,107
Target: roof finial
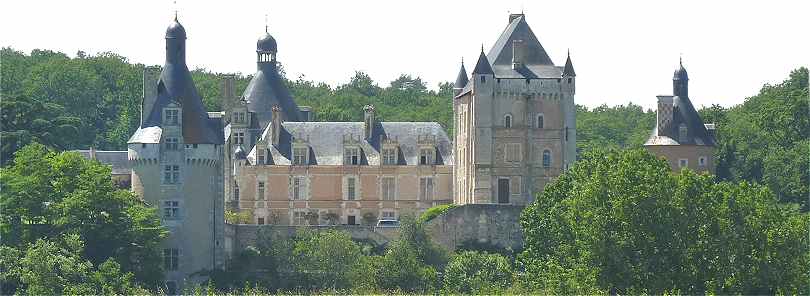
265,24
462,61
569,52
175,10
680,59
482,47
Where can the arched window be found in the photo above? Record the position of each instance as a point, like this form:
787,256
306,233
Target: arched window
540,123
546,158
683,132
507,120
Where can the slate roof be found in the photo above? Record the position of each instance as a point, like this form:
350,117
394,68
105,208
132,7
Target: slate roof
536,63
461,79
267,43
116,159
568,70
683,112
176,86
326,141
265,90
482,66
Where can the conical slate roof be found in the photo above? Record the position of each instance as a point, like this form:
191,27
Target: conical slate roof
175,86
568,70
462,79
482,66
267,89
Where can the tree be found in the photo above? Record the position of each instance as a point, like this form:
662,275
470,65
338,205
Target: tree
47,195
325,260
619,221
56,267
411,262
473,272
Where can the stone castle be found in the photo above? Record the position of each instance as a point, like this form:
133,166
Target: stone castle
265,157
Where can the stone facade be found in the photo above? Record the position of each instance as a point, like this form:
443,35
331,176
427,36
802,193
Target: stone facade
486,225
515,121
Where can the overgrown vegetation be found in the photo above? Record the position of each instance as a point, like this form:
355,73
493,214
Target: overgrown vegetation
434,212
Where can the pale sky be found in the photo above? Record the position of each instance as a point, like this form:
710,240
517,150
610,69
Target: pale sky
623,51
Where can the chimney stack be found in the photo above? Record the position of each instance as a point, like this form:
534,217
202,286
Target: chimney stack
150,78
228,91
664,115
276,124
369,121
518,54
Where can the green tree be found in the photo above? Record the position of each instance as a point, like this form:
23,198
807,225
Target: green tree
473,272
620,221
56,267
47,194
411,262
325,260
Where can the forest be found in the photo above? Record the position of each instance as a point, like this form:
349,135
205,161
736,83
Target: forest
749,221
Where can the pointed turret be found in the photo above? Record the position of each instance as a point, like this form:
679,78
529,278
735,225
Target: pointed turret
568,70
461,80
680,81
176,91
267,88
483,66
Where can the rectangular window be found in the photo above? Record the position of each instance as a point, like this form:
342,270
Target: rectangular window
171,209
300,217
351,156
171,258
240,117
702,161
389,156
171,174
513,153
683,162
239,138
388,188
171,143
300,156
260,191
260,159
426,189
299,188
260,221
172,116
351,188
426,156
236,192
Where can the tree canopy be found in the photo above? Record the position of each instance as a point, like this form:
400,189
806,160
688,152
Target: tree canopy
620,221
47,195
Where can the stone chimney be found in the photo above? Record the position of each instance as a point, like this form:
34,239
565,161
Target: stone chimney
228,91
518,53
306,113
664,115
368,121
276,124
150,78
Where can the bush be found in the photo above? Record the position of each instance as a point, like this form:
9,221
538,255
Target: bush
478,273
435,212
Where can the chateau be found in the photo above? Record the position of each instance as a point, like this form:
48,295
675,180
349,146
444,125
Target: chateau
265,157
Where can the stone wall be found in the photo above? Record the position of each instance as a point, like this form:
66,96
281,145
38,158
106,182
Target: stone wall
487,225
481,225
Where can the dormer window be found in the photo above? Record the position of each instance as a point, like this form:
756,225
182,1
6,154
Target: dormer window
239,117
683,133
238,138
426,156
351,156
389,156
171,116
171,143
300,155
507,121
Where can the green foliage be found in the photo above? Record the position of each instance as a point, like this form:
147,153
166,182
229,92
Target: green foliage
56,267
236,217
617,127
621,222
434,212
765,139
326,259
47,195
479,273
